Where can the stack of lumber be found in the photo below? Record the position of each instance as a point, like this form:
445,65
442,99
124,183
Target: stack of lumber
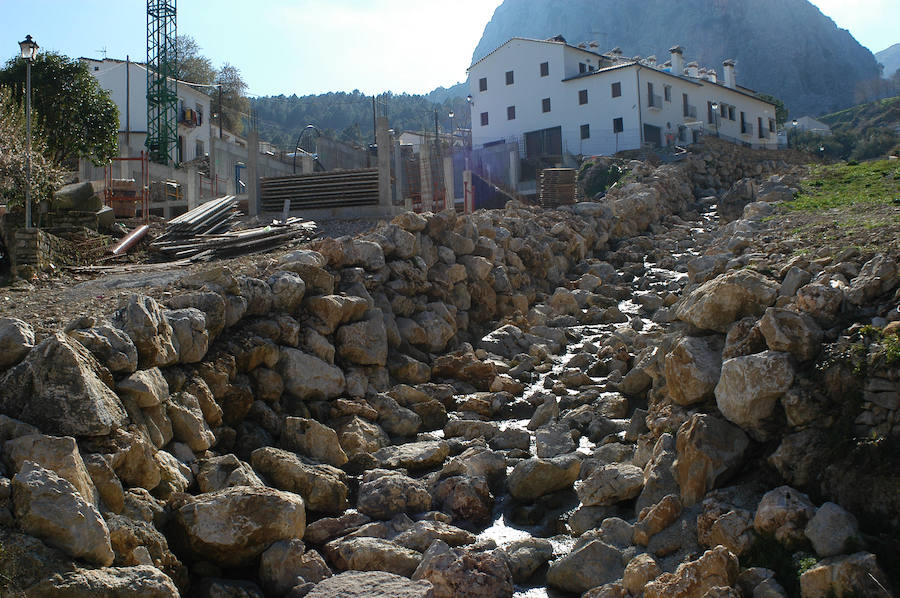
206,231
559,187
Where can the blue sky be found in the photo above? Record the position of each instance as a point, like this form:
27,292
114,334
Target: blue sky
315,46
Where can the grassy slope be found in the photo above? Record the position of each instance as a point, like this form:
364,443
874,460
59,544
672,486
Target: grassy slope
848,184
883,113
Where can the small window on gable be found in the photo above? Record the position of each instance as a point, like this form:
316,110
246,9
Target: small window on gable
618,125
545,69
582,67
510,113
667,92
731,113
582,97
545,105
616,89
585,131
482,84
510,78
484,119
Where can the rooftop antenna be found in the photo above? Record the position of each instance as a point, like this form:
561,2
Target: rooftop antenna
102,51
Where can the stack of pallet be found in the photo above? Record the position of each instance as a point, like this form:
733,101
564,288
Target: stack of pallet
206,231
559,187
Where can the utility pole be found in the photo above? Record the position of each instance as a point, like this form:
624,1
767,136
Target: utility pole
374,124
220,111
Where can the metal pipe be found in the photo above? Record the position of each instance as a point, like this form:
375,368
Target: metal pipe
127,102
131,239
28,219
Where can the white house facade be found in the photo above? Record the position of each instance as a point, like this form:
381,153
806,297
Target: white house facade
553,98
126,83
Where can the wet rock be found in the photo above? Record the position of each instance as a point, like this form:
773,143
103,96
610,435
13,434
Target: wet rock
715,568
308,377
66,394
709,450
750,386
783,514
463,574
467,499
715,304
16,340
533,478
234,526
50,508
833,531
420,536
384,495
852,575
553,440
143,580
372,554
591,565
371,584
524,557
692,369
791,332
610,484
315,440
323,487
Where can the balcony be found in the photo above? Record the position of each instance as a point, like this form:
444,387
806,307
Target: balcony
655,101
746,129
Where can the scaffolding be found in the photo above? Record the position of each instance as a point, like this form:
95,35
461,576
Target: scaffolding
162,93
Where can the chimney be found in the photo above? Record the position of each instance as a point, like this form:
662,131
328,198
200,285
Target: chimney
677,60
693,70
651,60
729,79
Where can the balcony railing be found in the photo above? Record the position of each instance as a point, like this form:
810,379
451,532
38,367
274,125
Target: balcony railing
655,101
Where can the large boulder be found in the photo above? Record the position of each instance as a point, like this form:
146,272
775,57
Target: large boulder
110,345
791,332
714,568
693,368
845,576
144,322
371,584
322,486
147,388
612,483
372,554
308,377
877,276
232,527
413,455
588,566
189,334
111,582
57,454
16,340
50,508
833,531
709,451
284,561
387,494
715,304
58,388
365,342
783,514
533,478
464,574
76,197
750,385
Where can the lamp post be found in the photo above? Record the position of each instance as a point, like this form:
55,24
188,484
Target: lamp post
451,115
794,124
29,49
715,107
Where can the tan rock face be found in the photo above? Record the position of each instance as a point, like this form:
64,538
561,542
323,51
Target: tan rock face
820,301
783,514
692,369
144,580
459,574
363,343
235,525
719,302
640,570
315,440
716,567
323,487
49,507
146,324
533,478
589,566
610,484
372,554
791,332
359,584
308,377
852,575
58,454
16,340
653,520
750,385
723,524
709,450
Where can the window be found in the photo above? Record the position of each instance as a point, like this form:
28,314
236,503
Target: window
545,69
684,103
582,97
667,92
723,110
510,78
482,84
545,105
759,128
510,113
199,149
585,131
616,89
484,119
710,113
771,125
582,67
731,113
618,125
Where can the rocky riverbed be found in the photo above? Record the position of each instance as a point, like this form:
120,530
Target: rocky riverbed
651,395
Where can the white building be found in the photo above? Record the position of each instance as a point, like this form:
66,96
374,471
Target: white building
126,83
553,98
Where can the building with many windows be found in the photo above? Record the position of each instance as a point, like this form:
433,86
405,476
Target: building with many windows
555,99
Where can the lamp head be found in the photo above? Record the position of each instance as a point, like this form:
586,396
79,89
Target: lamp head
29,48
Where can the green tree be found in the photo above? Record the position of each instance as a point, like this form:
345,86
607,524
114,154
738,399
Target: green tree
192,65
781,111
72,112
235,104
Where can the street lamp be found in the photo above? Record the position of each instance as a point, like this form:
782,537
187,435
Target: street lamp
29,49
715,108
451,127
793,134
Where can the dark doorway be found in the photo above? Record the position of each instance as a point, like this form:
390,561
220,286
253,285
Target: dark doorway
653,135
546,142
